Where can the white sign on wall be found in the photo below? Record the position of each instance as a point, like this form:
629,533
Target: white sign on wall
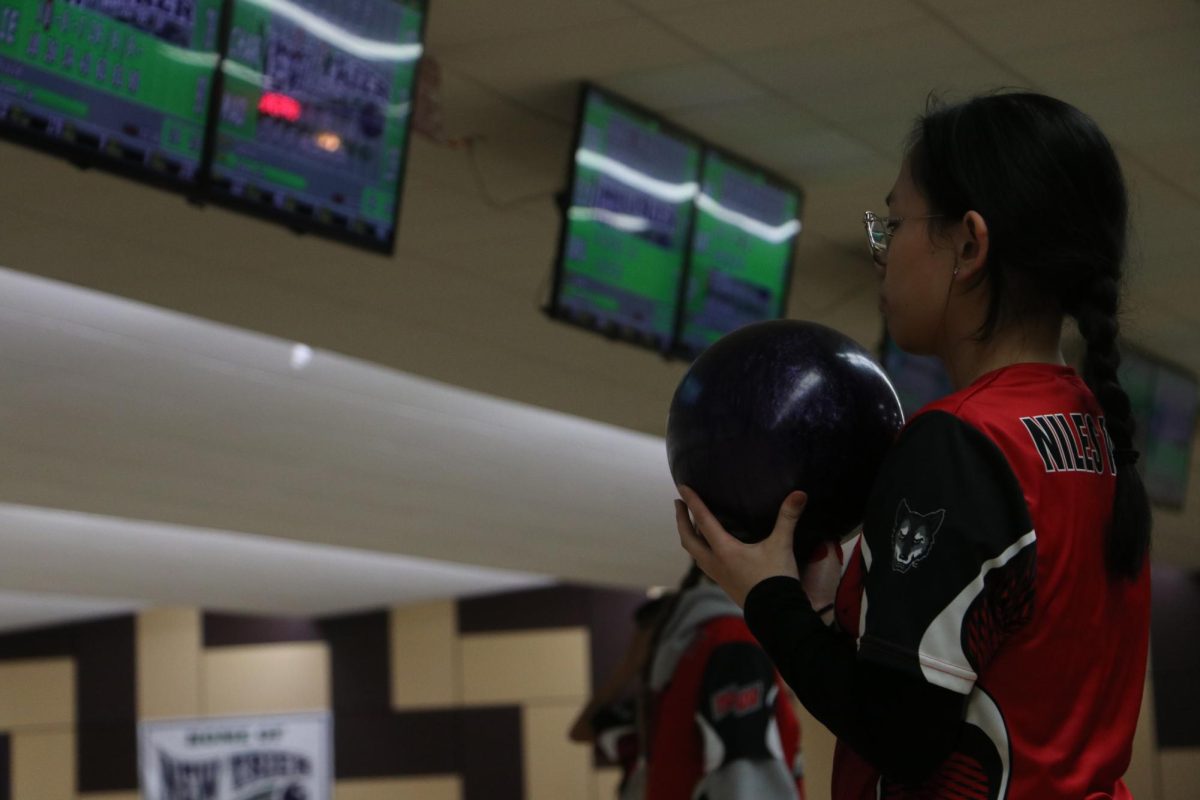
275,757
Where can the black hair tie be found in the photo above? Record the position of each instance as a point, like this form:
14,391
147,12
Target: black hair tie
1126,457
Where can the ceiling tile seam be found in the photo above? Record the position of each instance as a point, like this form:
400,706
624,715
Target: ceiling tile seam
514,203
1033,85
481,189
518,35
769,91
512,101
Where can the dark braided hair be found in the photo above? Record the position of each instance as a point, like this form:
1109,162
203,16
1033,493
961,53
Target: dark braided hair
1046,180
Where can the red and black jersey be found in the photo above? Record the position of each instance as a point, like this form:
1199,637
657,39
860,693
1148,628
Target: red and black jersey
721,726
981,569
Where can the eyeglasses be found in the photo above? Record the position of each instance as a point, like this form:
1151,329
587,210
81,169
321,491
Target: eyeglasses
880,231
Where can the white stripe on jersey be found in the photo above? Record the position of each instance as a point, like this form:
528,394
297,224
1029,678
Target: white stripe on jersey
943,662
983,713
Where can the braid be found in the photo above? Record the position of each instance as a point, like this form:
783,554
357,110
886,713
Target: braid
1128,536
1096,315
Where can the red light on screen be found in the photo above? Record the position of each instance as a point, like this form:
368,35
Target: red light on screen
274,104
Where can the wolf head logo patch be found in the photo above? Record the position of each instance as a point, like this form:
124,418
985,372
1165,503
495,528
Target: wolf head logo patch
913,536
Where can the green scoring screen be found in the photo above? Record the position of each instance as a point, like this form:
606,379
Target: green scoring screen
741,251
1165,400
314,112
631,203
125,81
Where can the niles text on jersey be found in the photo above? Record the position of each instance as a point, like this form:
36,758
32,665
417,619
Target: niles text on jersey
1071,442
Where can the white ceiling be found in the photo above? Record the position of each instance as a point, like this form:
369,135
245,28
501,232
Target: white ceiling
148,415
119,411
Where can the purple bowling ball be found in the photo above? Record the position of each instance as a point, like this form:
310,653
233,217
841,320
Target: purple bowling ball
778,406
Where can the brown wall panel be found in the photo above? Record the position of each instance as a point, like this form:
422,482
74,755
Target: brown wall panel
482,745
606,613
358,648
225,630
105,694
384,743
1175,630
489,752
5,767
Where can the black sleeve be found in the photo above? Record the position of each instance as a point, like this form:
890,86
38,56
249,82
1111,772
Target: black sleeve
949,556
903,725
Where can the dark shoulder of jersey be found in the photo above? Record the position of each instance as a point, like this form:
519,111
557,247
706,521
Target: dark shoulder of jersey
950,554
736,706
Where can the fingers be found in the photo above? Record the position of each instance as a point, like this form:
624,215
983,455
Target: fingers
704,518
692,542
708,529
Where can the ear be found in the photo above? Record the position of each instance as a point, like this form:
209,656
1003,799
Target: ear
970,245
902,511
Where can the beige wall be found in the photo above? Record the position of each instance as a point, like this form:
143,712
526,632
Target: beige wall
1180,773
168,663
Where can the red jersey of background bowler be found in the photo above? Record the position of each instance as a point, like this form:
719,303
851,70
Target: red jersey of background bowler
981,568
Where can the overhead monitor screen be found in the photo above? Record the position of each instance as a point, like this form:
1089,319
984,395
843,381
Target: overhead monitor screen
742,246
1165,402
313,117
117,83
628,216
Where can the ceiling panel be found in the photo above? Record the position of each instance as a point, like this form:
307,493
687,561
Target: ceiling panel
104,560
465,21
677,88
864,76
126,411
526,67
740,124
1009,29
1135,53
23,610
725,28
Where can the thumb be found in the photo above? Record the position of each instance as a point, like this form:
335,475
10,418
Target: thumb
789,515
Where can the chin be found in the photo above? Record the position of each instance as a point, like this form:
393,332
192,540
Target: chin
908,343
